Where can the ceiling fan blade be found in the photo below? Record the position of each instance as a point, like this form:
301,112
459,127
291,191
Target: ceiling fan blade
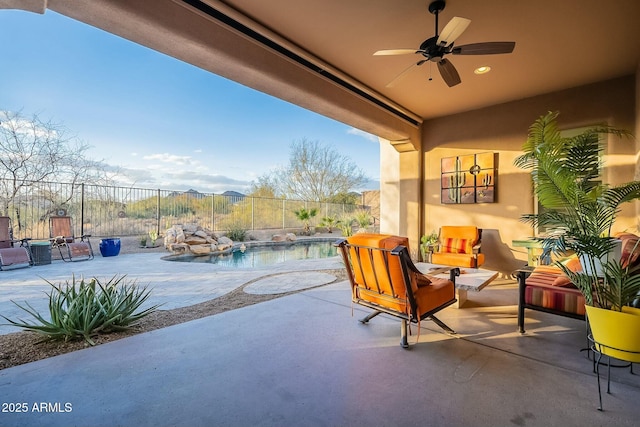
488,48
453,30
407,70
394,52
448,72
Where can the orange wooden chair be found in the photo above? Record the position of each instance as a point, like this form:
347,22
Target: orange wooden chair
384,278
62,237
11,255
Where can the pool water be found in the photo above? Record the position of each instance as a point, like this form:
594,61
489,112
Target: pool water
266,255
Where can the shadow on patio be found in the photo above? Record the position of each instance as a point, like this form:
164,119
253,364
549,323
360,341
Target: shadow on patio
303,360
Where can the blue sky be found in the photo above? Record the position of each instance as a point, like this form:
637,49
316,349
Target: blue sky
168,124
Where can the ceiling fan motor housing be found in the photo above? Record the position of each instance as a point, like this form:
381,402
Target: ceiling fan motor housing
432,51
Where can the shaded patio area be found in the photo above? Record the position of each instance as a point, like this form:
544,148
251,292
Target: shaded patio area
304,360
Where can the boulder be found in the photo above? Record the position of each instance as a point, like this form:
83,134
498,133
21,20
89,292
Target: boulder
194,240
224,240
224,246
191,228
200,249
201,233
178,248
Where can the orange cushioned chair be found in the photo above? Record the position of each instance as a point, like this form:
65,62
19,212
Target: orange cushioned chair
459,246
384,278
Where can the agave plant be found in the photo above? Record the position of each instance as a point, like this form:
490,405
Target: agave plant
85,308
581,210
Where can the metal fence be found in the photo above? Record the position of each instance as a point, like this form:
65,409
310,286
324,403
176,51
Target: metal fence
125,211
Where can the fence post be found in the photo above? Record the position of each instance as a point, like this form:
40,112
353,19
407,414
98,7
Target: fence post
213,212
81,209
158,212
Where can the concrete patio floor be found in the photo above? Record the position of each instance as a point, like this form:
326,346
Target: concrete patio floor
304,360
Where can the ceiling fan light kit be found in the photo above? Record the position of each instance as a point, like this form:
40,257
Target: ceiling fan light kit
435,48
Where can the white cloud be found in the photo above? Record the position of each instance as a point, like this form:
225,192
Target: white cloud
169,158
365,135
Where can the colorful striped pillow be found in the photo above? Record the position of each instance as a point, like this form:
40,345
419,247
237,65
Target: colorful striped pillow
454,246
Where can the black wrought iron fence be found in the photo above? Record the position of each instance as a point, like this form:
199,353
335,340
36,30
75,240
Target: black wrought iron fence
126,211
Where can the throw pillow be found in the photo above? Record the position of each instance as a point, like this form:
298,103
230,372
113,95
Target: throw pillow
454,246
422,280
563,282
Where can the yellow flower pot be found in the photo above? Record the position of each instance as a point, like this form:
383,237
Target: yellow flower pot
616,333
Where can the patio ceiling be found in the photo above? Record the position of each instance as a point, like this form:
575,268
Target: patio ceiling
319,54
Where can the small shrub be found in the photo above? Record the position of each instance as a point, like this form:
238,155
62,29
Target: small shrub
153,235
237,233
363,218
345,225
305,216
329,222
143,241
83,309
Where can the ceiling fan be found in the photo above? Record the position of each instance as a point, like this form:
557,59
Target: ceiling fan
435,48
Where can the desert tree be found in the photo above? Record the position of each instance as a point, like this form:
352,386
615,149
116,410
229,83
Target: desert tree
35,150
316,172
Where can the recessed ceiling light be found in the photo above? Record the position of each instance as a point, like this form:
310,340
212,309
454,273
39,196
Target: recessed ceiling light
482,70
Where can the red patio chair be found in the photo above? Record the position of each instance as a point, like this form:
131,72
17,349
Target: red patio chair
71,248
11,255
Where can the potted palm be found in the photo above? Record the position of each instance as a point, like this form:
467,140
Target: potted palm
580,209
580,212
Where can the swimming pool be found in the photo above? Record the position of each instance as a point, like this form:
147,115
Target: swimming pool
265,254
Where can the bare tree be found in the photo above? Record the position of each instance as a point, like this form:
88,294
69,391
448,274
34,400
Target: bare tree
316,173
33,150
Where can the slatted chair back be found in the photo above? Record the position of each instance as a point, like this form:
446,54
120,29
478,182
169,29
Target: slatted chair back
5,232
60,228
378,274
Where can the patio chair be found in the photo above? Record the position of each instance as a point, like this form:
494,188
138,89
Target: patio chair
13,256
71,248
384,278
459,246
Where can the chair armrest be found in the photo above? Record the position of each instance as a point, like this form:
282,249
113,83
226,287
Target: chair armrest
476,248
403,253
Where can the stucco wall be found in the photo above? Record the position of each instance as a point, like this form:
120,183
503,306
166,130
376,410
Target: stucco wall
503,129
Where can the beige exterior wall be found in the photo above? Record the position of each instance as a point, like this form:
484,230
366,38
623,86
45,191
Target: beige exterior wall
503,129
389,189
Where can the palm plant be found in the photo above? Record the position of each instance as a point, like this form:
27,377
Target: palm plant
305,215
581,210
329,222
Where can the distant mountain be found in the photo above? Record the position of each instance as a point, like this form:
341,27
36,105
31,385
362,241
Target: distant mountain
234,194
189,193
